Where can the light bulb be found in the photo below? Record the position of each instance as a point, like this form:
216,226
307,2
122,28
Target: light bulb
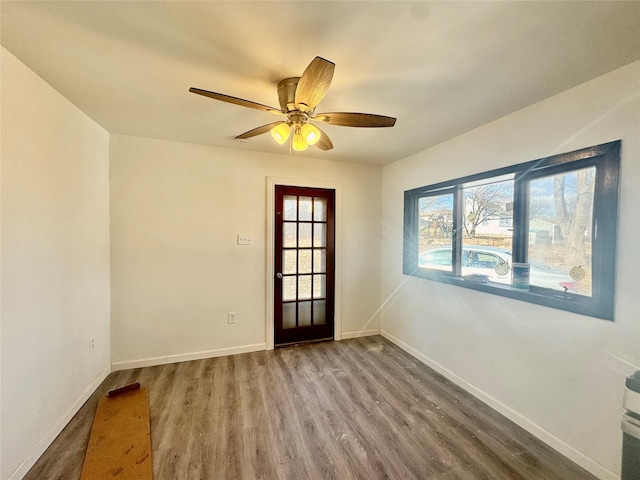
298,143
310,133
281,132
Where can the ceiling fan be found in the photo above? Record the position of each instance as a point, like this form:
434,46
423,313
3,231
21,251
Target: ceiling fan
298,98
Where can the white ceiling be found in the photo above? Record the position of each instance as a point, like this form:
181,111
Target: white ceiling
440,68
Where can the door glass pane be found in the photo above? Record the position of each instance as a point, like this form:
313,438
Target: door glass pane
288,261
304,235
289,288
319,261
304,207
304,314
304,287
320,209
289,315
319,286
289,235
319,312
488,232
290,207
304,261
560,231
319,235
435,232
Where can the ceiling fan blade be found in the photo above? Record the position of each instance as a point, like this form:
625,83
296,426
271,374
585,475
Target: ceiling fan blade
366,120
325,142
257,131
234,100
314,83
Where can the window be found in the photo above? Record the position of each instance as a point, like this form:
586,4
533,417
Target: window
543,231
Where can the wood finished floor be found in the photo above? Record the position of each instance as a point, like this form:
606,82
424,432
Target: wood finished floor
356,409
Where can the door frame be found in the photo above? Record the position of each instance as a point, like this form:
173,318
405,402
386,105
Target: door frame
270,278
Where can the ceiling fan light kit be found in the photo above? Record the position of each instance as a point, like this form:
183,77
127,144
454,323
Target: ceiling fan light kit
310,133
281,132
298,143
298,98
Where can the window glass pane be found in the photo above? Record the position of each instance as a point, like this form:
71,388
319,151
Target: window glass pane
289,234
439,259
319,286
289,261
320,209
319,235
488,232
304,234
289,288
304,287
319,261
434,232
304,208
319,312
304,261
289,315
560,231
304,314
290,207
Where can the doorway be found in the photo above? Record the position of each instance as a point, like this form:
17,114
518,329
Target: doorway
304,264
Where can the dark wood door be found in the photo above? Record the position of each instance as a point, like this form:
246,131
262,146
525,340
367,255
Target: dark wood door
304,264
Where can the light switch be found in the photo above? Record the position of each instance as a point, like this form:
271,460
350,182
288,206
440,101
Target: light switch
244,239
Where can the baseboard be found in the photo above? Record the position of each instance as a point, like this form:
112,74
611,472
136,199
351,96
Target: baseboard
361,333
51,435
186,357
554,442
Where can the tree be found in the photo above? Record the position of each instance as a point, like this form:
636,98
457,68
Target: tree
539,208
574,212
485,201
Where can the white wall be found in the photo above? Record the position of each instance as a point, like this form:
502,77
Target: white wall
559,374
176,270
55,262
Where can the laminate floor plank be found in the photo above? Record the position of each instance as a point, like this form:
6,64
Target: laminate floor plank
376,431
452,424
359,409
388,402
425,430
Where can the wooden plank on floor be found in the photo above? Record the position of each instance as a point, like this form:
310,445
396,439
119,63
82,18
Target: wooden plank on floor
120,442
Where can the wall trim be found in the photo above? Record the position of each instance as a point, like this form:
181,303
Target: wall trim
186,357
361,333
54,431
302,182
554,442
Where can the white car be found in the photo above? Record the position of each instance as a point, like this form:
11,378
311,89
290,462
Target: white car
479,264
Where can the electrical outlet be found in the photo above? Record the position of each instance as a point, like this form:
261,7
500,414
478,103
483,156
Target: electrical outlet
245,240
231,318
92,345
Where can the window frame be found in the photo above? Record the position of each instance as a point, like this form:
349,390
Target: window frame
606,159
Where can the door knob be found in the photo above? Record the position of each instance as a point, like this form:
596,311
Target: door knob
278,275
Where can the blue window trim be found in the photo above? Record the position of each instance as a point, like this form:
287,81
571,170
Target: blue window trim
606,159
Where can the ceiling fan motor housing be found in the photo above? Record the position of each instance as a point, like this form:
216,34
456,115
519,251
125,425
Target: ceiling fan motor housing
287,93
